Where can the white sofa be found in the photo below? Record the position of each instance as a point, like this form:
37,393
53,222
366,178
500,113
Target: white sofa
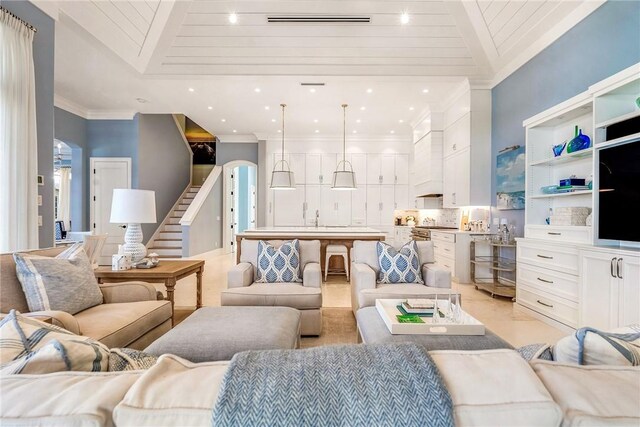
364,273
305,296
491,387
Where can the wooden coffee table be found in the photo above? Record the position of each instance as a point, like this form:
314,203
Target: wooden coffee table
167,272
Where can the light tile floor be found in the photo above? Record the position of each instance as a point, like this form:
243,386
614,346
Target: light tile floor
500,315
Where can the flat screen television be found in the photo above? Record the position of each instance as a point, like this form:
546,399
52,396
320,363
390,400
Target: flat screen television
619,192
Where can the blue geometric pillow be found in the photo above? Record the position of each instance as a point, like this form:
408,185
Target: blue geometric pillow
401,266
280,265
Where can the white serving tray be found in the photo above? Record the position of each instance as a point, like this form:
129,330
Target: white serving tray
387,308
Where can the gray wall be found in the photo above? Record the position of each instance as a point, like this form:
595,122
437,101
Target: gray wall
43,61
205,233
164,163
603,44
227,152
72,130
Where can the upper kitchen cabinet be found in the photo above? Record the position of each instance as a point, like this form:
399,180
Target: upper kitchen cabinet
467,148
359,165
320,168
427,152
381,168
401,169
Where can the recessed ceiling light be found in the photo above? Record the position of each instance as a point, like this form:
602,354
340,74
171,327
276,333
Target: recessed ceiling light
362,108
358,121
393,131
279,131
317,131
234,131
191,89
425,90
411,108
273,120
404,18
233,18
257,90
210,107
369,90
315,120
355,131
223,120
266,107
400,121
312,90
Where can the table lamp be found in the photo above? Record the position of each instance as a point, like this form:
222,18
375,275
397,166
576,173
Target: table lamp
133,207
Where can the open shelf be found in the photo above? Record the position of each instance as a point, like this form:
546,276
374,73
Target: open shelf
572,193
565,158
618,119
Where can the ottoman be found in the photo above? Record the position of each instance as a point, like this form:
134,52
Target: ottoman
373,331
217,333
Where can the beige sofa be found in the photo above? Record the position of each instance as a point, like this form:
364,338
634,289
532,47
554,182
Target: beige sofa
130,316
305,296
364,273
488,388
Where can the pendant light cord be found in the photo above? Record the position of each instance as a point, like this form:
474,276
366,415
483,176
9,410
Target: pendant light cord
344,136
282,105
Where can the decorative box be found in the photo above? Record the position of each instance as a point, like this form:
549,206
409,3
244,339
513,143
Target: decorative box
572,181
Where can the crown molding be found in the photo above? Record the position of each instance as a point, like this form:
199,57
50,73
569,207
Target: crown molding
70,106
234,138
81,111
111,115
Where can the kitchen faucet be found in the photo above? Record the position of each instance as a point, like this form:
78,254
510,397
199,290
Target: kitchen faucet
317,217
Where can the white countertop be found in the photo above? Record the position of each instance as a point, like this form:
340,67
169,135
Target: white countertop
461,232
312,231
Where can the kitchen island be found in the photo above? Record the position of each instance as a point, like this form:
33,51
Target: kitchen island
327,236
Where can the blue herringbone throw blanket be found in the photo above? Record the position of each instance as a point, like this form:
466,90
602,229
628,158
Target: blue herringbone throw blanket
357,385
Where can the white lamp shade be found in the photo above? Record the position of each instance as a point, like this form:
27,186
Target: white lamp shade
133,206
282,180
343,180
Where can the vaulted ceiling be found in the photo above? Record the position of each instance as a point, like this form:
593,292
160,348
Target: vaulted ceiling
443,42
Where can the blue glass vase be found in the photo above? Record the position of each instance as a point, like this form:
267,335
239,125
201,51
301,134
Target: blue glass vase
579,142
558,149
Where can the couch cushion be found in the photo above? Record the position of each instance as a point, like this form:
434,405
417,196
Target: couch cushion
398,266
63,399
154,399
593,395
11,294
495,387
368,297
29,346
618,347
119,324
218,333
274,294
278,265
65,282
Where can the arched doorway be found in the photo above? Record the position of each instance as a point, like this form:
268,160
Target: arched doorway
240,199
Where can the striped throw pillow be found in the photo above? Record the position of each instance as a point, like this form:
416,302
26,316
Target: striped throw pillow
281,265
29,346
399,266
64,283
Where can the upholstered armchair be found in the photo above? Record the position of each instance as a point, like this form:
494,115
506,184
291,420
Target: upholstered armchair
364,274
305,296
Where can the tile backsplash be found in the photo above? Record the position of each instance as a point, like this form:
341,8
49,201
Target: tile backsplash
443,217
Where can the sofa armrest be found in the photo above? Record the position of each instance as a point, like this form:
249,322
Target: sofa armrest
128,292
363,277
240,275
312,275
436,277
58,318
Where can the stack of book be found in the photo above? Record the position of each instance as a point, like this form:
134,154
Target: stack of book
417,308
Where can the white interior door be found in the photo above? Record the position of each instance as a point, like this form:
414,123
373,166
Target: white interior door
107,174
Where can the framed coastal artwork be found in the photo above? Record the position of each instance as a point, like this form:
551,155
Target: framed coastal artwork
510,178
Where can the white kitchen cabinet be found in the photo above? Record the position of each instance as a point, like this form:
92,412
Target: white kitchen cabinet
329,164
373,169
388,168
335,207
289,207
359,164
359,205
402,235
609,288
457,182
401,197
313,203
402,169
457,137
313,168
374,205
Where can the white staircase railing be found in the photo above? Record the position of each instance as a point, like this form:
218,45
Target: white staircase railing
201,228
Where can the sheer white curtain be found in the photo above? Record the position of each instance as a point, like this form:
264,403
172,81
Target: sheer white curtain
18,145
64,197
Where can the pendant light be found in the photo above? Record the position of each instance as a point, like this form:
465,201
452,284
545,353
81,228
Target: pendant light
281,177
344,178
